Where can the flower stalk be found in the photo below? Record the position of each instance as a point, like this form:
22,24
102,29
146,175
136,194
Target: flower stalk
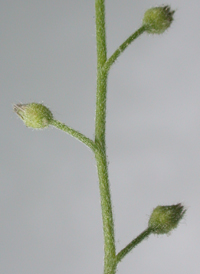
123,46
145,234
163,218
74,133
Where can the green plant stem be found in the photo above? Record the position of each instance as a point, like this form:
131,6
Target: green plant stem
100,119
100,33
122,47
103,66
101,158
107,216
133,244
82,138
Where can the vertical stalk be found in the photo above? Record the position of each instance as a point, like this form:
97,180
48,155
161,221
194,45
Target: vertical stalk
101,158
100,121
107,217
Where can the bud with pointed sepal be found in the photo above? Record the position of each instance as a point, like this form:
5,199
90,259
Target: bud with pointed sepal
165,218
34,115
157,20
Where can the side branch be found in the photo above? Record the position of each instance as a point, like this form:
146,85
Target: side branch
133,244
123,46
79,136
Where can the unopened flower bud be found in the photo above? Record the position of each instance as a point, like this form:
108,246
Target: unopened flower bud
34,115
165,218
158,19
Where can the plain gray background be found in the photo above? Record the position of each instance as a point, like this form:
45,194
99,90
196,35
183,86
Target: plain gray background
50,207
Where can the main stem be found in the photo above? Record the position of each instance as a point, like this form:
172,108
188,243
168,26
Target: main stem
101,158
100,121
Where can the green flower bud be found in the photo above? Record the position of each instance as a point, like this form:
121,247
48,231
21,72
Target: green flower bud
165,218
34,115
158,19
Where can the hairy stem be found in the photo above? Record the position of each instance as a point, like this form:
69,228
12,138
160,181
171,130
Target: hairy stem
133,244
122,47
107,217
103,67
100,119
79,136
100,33
101,158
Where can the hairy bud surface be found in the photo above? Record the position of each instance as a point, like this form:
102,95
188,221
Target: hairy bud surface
165,218
157,20
34,115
